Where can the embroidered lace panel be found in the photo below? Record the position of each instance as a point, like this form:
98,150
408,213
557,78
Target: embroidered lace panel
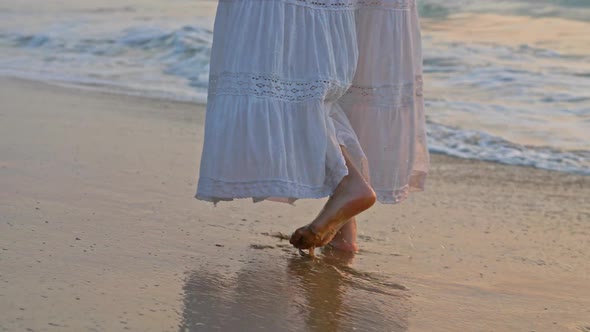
274,87
347,4
270,86
399,95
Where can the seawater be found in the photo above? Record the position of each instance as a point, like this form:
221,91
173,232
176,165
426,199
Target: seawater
506,81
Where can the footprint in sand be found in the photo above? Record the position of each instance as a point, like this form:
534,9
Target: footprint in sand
261,246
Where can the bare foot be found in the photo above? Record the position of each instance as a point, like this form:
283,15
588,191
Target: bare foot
352,196
345,238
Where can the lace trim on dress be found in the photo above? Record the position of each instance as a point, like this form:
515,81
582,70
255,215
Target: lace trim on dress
273,86
270,86
228,190
392,196
398,95
388,196
347,4
419,86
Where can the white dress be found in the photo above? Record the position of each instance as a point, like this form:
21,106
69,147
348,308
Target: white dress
293,80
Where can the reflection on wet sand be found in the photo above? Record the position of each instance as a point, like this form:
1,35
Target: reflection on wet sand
293,293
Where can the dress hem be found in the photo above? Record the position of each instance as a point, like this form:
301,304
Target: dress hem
276,190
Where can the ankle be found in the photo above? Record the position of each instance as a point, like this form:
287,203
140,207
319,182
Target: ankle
344,246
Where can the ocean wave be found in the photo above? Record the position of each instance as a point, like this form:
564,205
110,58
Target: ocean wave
472,144
184,52
568,9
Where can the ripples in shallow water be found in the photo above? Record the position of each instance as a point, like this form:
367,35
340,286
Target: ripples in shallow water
293,293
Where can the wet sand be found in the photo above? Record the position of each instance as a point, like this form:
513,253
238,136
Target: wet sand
99,231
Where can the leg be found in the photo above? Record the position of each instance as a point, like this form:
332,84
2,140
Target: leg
345,238
352,196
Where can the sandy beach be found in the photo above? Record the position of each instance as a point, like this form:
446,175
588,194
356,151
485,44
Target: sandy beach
99,231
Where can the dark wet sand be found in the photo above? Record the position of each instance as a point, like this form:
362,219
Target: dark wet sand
99,232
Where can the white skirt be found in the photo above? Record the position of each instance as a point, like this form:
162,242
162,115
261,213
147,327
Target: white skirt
291,81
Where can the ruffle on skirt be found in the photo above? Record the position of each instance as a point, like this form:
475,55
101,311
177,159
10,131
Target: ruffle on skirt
293,80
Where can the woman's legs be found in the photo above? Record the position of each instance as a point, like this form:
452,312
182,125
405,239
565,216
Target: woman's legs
352,196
